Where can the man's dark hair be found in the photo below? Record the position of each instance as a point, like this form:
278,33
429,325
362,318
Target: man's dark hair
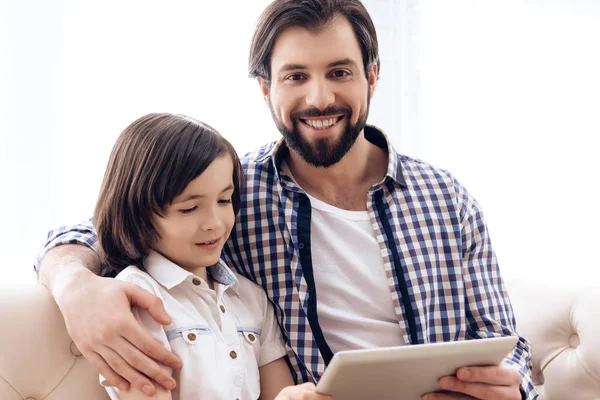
312,15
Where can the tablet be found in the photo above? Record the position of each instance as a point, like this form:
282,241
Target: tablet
406,372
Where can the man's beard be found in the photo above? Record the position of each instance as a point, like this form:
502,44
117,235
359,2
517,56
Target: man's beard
324,152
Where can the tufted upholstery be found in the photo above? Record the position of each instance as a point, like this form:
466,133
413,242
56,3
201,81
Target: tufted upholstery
563,325
38,360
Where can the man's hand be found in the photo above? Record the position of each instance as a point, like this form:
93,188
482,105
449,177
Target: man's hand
306,391
484,383
98,316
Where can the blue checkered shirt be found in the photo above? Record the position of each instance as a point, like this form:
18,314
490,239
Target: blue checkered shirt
441,271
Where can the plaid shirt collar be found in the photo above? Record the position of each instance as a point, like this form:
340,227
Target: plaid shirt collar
376,136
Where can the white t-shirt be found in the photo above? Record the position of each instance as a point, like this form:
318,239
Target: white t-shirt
222,336
354,304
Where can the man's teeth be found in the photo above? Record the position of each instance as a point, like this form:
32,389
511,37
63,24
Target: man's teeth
321,124
209,242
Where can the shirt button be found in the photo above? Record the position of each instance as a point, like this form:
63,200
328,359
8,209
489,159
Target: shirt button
251,337
196,281
222,308
233,354
301,246
192,336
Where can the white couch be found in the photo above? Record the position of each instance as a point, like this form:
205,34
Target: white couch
39,361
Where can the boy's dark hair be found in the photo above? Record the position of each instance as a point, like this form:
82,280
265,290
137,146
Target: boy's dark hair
312,15
152,162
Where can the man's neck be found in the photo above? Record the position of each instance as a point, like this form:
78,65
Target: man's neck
344,184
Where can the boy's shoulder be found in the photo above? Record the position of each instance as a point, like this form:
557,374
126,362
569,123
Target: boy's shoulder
250,290
135,275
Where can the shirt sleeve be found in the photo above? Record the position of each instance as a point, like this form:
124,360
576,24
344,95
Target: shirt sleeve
83,234
272,345
156,330
489,311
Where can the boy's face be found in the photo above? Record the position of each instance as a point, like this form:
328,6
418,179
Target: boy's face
319,95
199,220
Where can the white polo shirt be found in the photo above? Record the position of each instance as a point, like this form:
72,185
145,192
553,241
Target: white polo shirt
222,336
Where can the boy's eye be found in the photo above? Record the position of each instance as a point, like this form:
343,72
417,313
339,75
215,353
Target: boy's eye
225,201
188,210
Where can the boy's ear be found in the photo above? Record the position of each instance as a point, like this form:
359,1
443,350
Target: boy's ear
264,89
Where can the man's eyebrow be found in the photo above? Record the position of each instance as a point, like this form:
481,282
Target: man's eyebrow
290,67
345,61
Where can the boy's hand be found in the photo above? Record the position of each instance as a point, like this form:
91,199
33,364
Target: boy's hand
306,391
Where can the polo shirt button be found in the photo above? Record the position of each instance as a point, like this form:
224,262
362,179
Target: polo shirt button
222,307
233,354
196,281
192,336
301,246
251,337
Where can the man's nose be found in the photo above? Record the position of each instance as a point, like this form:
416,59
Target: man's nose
320,94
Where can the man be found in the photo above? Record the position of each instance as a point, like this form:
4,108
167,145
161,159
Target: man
355,245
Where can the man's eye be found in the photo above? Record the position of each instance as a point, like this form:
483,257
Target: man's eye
225,201
295,77
188,210
340,73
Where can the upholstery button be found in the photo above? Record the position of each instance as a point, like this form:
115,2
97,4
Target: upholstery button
222,307
251,337
196,281
74,350
233,354
574,341
191,336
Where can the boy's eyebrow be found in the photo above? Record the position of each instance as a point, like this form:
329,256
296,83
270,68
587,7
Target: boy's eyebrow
290,67
199,196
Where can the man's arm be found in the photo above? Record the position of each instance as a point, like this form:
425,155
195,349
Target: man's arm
115,344
489,313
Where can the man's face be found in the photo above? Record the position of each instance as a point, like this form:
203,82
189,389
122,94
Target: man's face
319,95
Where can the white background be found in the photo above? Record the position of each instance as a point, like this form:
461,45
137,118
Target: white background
505,94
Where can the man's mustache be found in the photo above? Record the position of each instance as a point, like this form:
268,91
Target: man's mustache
314,112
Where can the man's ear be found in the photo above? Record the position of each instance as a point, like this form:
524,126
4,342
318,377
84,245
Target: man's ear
264,88
373,73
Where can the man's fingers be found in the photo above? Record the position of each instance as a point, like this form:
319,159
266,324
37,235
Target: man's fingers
480,390
122,368
142,340
107,372
146,300
142,363
447,396
503,376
